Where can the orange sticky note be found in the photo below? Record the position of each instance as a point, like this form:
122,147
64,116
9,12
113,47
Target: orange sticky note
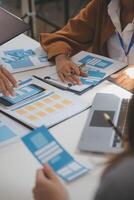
50,110
41,114
56,96
30,108
66,102
58,106
48,100
39,104
21,112
32,117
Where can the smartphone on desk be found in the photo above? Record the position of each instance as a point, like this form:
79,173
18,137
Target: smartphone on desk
22,94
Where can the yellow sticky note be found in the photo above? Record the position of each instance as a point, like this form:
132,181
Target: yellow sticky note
58,106
41,114
66,102
32,117
30,108
56,96
50,110
21,112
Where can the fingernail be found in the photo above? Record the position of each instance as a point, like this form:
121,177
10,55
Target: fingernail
13,93
7,94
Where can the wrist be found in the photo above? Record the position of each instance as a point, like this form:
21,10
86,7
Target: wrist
61,57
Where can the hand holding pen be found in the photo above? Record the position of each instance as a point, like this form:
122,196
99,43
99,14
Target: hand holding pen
68,70
117,131
122,136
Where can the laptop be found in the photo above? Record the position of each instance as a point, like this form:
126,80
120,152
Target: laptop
10,26
98,135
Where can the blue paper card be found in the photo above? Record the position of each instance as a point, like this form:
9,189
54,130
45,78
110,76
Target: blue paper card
47,150
96,62
96,74
19,58
6,134
23,93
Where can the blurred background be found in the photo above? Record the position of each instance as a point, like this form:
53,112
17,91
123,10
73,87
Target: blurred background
44,15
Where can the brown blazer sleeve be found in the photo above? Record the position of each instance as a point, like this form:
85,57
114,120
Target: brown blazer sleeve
77,35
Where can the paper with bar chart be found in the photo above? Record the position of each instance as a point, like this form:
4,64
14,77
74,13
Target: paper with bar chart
47,108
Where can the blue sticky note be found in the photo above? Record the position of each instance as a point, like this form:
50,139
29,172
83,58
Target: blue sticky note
43,58
89,82
97,74
26,62
19,58
5,133
47,150
20,53
96,62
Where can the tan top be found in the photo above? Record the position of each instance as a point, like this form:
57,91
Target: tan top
92,27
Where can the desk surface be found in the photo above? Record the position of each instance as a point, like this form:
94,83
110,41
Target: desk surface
18,166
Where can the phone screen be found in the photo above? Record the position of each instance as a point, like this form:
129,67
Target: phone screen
21,94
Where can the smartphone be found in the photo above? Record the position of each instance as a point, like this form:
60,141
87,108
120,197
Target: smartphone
22,94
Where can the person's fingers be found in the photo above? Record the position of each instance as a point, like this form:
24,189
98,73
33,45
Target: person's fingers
121,79
9,77
75,69
129,85
34,193
8,85
84,74
40,177
116,75
49,173
61,76
3,89
73,79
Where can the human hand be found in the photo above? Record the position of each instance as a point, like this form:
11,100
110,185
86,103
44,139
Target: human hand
125,78
68,70
48,186
7,82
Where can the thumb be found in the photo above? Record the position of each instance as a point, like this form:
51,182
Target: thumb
40,177
49,173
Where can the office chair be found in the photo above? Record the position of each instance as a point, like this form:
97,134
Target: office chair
41,15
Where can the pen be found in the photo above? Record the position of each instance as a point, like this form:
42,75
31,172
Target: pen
53,82
80,68
108,119
82,65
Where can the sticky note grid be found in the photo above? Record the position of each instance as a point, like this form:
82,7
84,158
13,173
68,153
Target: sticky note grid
45,110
